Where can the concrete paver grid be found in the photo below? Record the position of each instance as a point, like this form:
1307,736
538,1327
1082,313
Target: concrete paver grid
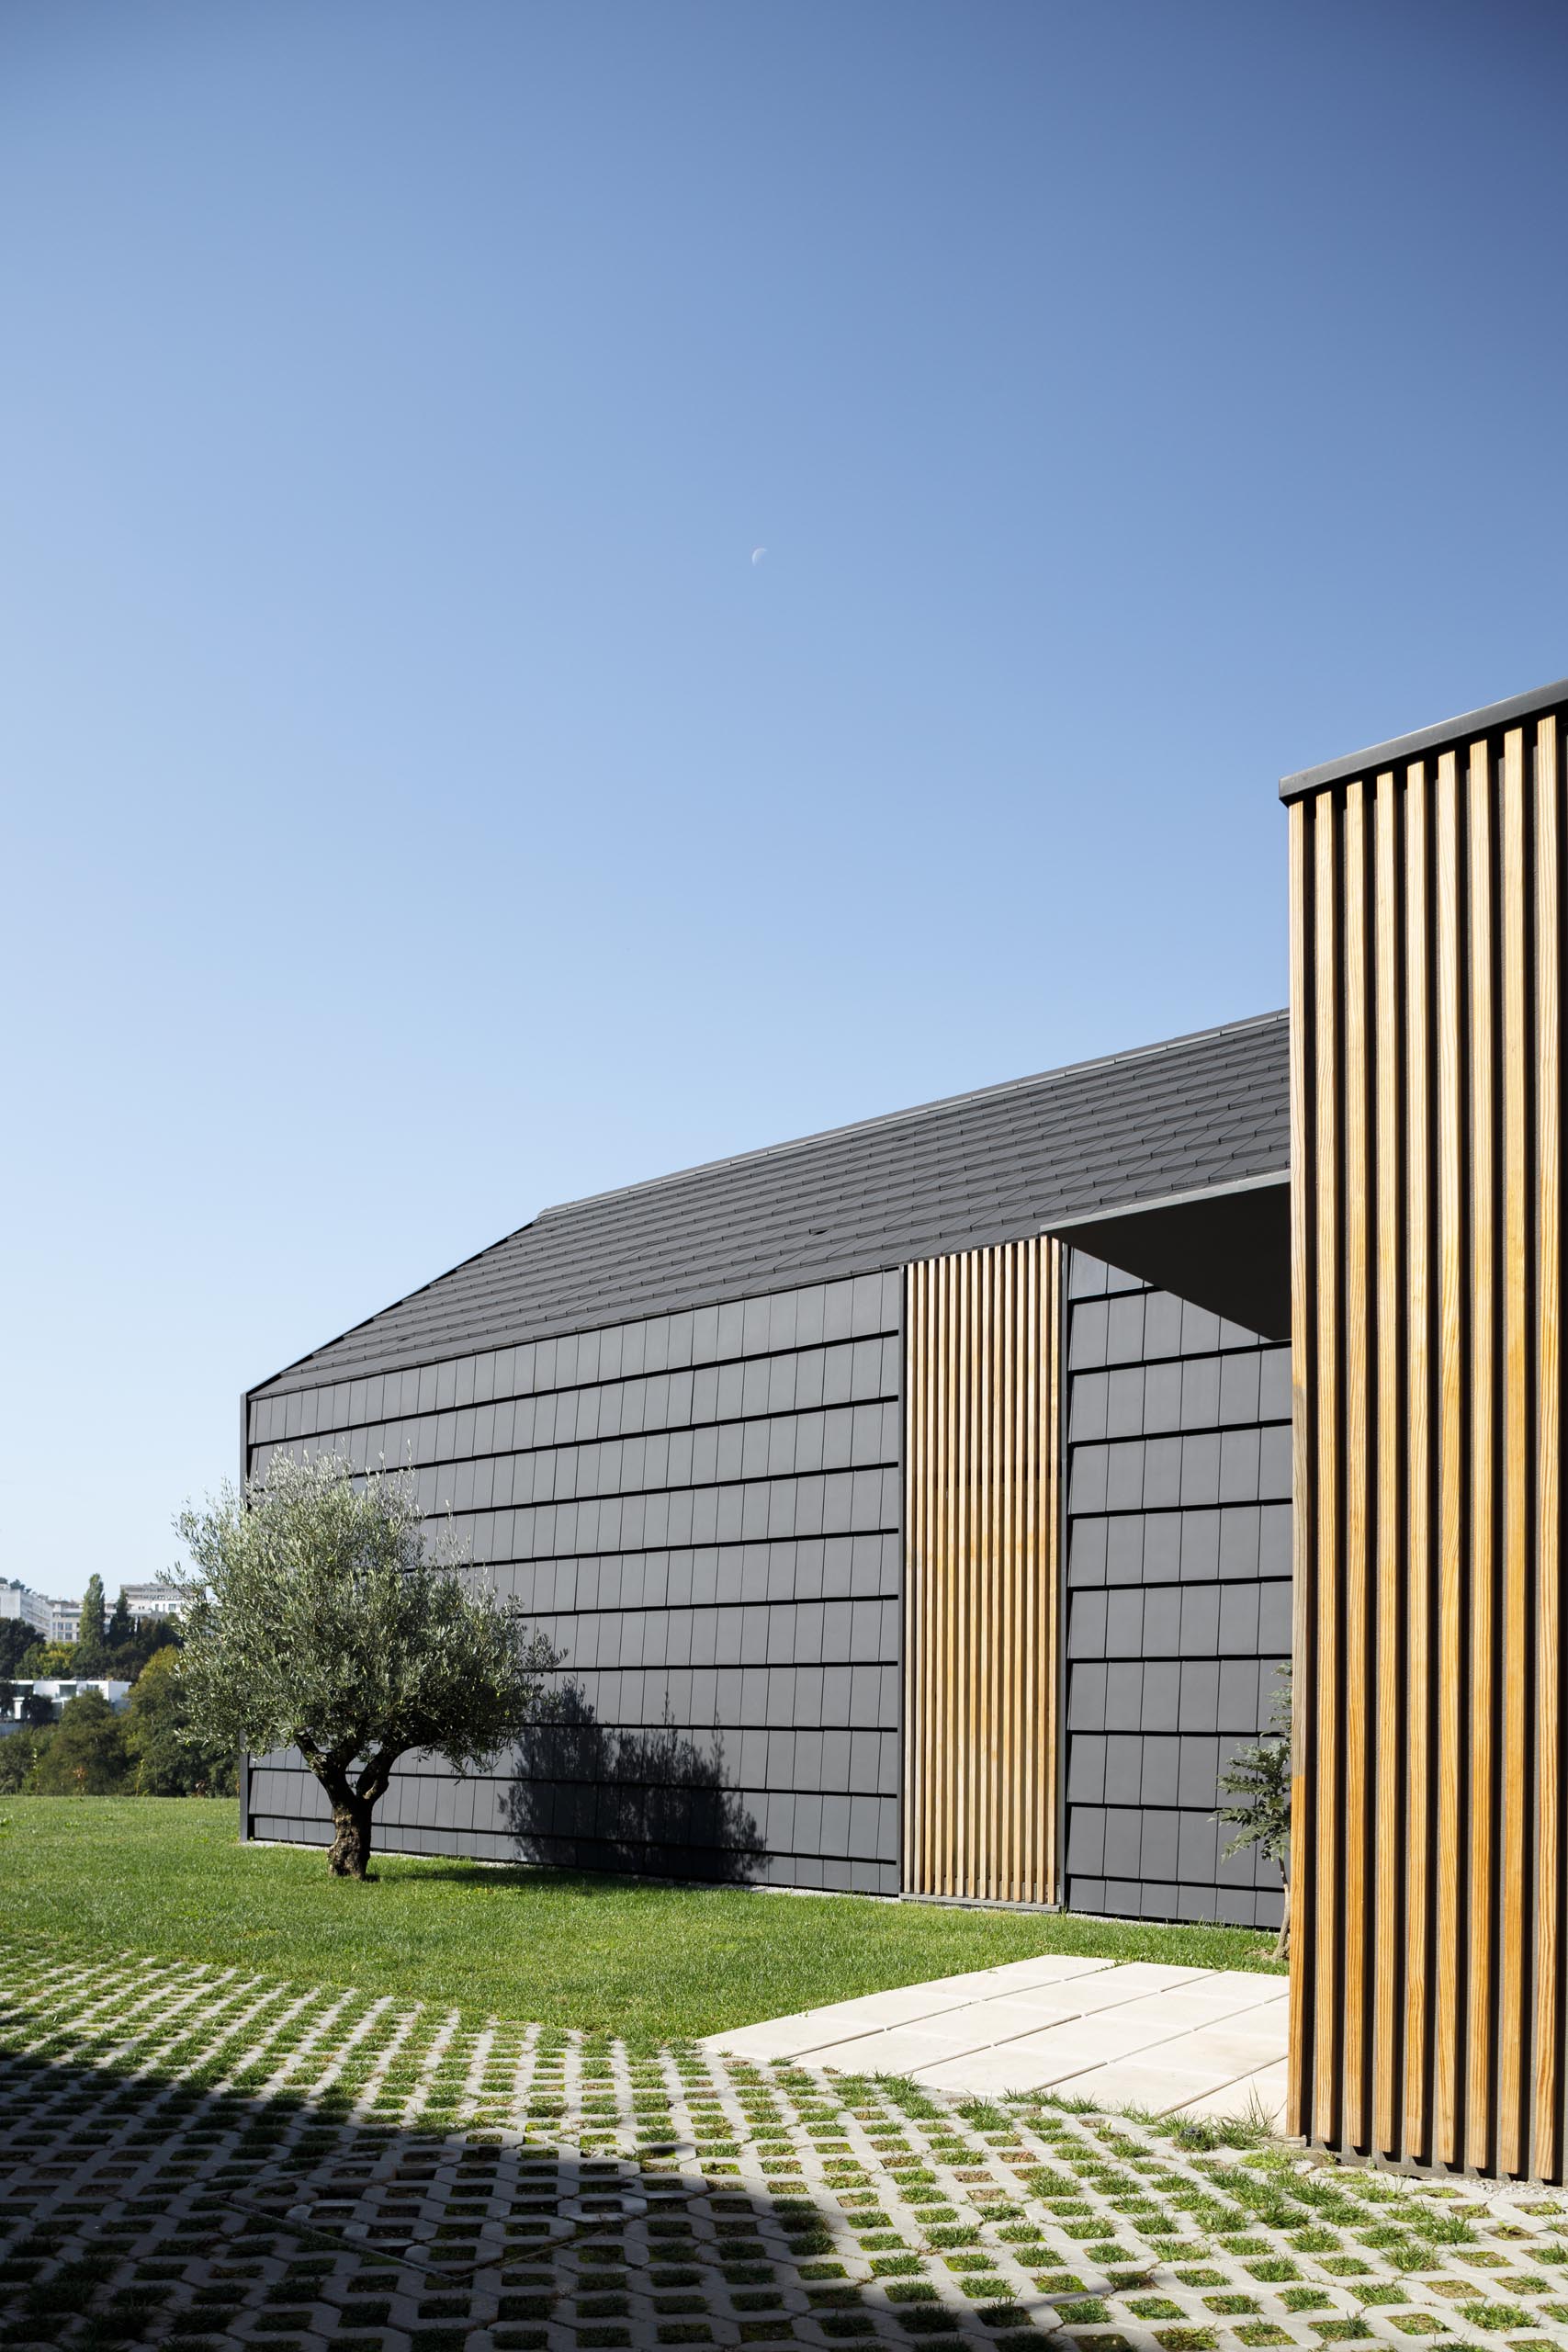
207,2158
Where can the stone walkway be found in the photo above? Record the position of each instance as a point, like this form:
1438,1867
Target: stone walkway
207,2158
1200,2040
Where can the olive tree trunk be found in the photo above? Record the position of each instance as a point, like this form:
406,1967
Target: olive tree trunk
350,1849
352,1805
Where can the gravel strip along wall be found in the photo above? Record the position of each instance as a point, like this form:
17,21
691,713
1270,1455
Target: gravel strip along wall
207,2157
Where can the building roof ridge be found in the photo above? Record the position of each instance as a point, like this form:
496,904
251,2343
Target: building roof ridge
1208,1106
913,1111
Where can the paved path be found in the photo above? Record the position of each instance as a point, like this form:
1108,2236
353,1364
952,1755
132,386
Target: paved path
1203,2040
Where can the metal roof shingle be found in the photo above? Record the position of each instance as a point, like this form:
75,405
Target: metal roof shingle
1194,1114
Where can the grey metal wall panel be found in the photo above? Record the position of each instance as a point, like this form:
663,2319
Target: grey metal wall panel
1177,1593
702,1513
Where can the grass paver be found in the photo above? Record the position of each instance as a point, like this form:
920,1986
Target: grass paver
201,2157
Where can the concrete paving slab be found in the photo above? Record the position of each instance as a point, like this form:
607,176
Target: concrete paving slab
1263,2094
983,2022
1050,1969
1228,2049
1167,2036
1225,1997
783,2038
1130,2082
902,2050
979,2073
1063,2050
900,2006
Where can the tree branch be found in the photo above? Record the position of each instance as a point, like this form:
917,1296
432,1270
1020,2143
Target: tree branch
377,1772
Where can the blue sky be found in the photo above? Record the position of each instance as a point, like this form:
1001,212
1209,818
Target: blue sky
420,808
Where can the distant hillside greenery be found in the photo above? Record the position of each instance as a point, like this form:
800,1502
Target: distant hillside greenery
94,1752
110,1644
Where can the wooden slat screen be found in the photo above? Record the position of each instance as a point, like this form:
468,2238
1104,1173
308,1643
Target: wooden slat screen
1427,936
983,1505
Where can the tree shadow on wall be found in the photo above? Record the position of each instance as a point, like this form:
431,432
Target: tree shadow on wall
587,1795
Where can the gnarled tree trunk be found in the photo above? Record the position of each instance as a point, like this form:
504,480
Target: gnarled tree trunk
350,1849
352,1806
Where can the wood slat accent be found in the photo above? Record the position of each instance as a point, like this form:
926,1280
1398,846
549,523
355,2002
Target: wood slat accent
983,1453
1514,1188
1546,2093
1413,1314
1323,1691
1480,1411
1389,1612
1360,1446
1429,1876
1450,1465
1304,1717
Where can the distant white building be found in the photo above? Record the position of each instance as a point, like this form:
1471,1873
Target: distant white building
60,1620
16,1600
59,1689
147,1603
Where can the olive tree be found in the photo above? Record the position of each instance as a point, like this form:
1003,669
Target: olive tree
318,1615
1256,1784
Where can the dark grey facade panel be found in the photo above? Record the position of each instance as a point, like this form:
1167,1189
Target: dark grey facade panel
1177,1594
783,1249
702,1517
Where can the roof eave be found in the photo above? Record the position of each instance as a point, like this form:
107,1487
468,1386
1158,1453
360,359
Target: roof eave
1466,727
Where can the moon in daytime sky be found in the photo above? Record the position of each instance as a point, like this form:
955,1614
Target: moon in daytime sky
757,553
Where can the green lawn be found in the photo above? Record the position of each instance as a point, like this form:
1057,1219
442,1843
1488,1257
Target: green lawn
168,1877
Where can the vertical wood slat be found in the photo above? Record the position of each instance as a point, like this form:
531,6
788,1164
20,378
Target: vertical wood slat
1389,1612
1513,1679
1299,2113
1452,1273
1415,1714
1481,1614
1325,1505
1546,2089
1430,1873
1359,1444
982,1454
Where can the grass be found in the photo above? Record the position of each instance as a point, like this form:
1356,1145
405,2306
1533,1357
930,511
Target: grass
169,1878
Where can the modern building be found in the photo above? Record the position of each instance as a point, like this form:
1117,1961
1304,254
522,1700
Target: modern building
921,1508
692,1428
64,1620
150,1604
16,1600
57,1692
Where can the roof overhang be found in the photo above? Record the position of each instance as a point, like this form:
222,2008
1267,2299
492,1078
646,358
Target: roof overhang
1226,1247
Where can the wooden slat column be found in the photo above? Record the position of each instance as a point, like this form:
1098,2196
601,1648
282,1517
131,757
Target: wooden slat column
982,1510
1428,942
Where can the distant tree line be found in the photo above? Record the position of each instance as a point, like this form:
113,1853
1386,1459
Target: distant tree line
108,1647
318,1614
148,1750
91,1751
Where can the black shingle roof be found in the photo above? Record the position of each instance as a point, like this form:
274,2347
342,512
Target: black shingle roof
993,1166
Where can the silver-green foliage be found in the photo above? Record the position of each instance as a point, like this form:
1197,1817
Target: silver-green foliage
1255,1788
1256,1784
320,1616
